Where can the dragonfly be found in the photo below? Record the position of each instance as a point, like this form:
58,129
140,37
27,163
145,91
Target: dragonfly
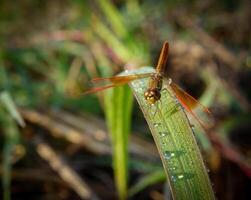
155,85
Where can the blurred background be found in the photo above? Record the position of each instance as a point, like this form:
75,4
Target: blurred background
56,145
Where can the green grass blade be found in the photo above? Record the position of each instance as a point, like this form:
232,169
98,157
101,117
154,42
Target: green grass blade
118,105
150,179
11,134
172,133
114,17
11,107
110,38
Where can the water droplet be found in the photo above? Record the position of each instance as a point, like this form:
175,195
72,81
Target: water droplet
177,177
172,154
168,155
169,81
163,134
156,124
181,176
172,168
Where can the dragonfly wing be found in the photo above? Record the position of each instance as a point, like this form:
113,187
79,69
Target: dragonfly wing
92,90
100,84
120,80
189,103
97,89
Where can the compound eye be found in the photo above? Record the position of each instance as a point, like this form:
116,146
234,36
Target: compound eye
152,93
151,100
152,96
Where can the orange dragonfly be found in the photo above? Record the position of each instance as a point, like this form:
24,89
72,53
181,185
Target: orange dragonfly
153,92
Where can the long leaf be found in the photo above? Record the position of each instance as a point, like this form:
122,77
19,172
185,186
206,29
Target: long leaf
173,135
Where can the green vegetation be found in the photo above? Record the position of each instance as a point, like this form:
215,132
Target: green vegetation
49,52
173,135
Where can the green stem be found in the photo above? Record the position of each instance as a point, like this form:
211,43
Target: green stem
118,104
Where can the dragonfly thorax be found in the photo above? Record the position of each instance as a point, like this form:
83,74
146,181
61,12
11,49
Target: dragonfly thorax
152,94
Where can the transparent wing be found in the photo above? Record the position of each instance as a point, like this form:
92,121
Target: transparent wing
100,84
120,79
190,103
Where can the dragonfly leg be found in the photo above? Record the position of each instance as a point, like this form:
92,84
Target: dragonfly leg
166,89
153,109
155,112
148,106
158,106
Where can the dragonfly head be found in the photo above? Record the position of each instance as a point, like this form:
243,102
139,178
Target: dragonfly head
152,95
